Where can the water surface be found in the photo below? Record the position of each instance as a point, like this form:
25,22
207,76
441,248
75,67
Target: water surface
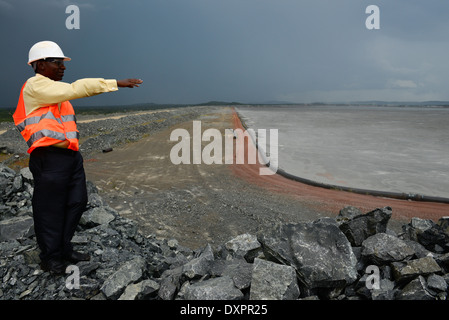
385,148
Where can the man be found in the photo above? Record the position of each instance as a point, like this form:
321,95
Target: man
46,120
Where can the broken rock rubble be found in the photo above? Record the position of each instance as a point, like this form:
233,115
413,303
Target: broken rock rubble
351,257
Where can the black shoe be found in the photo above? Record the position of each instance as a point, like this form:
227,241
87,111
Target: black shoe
54,266
76,256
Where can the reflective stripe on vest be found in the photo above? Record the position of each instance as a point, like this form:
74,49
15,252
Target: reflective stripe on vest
48,115
51,134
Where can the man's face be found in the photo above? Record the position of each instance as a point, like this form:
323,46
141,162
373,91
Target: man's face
52,68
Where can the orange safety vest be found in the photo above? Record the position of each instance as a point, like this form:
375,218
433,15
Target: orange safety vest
47,125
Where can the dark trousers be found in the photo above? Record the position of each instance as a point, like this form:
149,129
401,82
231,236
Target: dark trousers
59,198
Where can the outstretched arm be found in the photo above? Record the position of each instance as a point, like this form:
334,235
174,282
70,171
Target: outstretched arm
41,91
130,83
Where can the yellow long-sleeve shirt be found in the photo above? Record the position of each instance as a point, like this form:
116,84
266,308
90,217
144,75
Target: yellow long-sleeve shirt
41,91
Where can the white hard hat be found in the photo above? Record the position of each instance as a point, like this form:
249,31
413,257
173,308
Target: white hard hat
45,49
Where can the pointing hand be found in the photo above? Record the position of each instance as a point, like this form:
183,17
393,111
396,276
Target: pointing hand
130,83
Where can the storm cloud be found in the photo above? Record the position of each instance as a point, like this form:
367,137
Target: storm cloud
193,51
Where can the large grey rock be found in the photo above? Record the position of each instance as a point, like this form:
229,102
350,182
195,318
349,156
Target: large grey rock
437,283
26,174
319,251
360,227
237,269
245,245
221,288
140,290
383,248
129,272
420,251
4,182
406,270
199,266
348,213
170,283
431,235
443,222
16,228
96,216
435,239
17,183
416,290
415,227
272,281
